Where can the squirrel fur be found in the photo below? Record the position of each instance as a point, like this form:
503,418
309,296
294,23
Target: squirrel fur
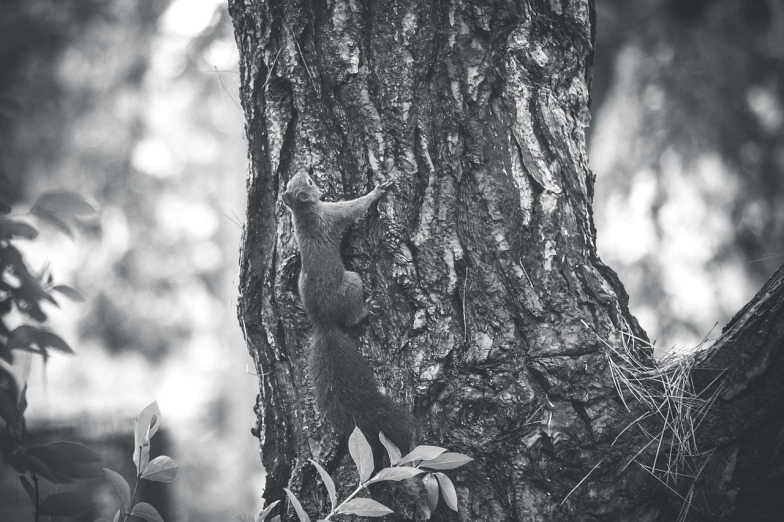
333,298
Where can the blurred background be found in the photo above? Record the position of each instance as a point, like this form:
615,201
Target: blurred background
687,144
133,104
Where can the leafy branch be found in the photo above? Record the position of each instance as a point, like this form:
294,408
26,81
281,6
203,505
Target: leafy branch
160,469
22,294
58,462
430,460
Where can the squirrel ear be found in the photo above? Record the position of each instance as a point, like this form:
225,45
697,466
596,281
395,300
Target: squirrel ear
302,195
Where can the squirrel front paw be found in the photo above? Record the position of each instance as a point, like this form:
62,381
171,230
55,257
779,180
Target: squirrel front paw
383,188
372,306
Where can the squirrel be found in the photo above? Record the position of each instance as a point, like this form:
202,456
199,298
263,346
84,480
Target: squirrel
333,298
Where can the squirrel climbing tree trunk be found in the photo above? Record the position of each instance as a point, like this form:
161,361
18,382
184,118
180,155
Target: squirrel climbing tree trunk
498,326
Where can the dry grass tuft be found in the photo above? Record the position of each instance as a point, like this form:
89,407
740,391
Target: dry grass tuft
666,389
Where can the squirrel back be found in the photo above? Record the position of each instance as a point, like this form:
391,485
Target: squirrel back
333,298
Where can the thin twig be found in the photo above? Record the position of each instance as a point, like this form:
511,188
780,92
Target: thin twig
528,420
767,256
302,55
269,73
637,454
465,323
136,485
232,220
336,510
660,480
222,90
37,498
632,423
583,480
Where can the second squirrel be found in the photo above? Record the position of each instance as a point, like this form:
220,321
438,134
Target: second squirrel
333,298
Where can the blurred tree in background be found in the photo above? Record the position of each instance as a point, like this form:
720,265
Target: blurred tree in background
688,149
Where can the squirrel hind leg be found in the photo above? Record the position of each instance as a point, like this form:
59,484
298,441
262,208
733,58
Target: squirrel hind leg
355,310
359,318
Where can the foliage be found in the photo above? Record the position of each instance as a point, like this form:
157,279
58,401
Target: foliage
62,462
164,259
22,294
430,460
159,469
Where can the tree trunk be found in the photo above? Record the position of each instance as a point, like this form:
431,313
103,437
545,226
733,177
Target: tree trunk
500,328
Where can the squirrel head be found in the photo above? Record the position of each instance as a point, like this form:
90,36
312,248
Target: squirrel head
300,190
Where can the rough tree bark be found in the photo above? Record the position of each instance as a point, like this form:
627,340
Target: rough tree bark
500,327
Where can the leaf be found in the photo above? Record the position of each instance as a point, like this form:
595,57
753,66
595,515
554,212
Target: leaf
5,207
19,382
397,473
34,464
75,451
448,491
362,453
10,229
70,292
18,463
364,507
27,304
54,220
65,204
25,288
22,337
447,460
148,419
57,468
266,511
303,517
120,488
146,426
422,453
161,469
328,483
68,504
48,339
27,487
147,512
60,462
276,518
431,485
88,471
66,462
244,518
392,450
117,516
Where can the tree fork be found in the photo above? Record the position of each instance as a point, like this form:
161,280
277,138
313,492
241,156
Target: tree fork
500,328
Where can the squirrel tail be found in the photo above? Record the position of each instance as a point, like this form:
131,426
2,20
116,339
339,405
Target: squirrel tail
347,393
